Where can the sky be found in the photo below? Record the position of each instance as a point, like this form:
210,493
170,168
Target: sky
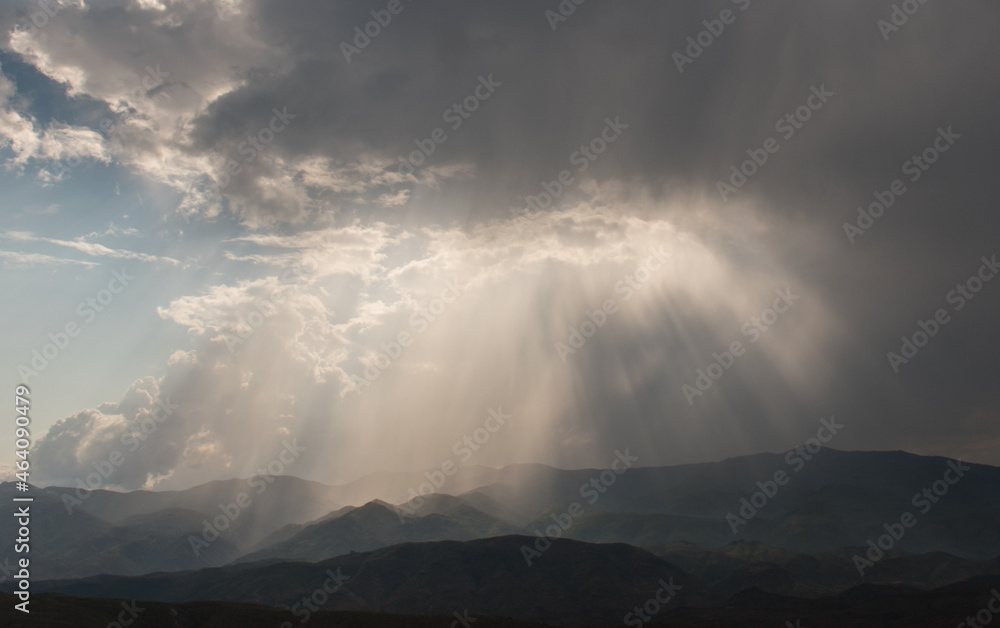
687,229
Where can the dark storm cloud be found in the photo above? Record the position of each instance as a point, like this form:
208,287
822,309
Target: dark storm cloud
615,59
890,98
883,101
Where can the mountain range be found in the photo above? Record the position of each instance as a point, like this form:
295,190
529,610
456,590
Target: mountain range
768,530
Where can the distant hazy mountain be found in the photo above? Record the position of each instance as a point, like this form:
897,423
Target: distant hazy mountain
273,501
832,500
80,544
837,499
378,524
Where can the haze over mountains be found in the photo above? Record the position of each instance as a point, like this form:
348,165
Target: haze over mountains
561,547
836,500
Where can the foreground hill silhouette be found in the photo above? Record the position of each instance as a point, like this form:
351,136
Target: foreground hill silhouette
862,607
571,582
61,611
